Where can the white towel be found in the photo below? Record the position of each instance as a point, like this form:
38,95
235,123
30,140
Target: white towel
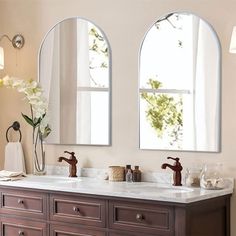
6,175
14,157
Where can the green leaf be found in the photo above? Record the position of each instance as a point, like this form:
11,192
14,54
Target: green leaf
36,121
46,132
164,113
28,120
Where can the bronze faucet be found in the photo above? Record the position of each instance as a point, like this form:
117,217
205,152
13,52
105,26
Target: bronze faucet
177,170
72,161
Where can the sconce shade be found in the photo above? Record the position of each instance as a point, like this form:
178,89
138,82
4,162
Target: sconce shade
232,48
1,58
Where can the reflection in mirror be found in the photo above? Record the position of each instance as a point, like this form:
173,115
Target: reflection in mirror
74,71
179,85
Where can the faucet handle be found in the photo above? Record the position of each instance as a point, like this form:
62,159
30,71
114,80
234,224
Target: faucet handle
71,153
175,159
72,156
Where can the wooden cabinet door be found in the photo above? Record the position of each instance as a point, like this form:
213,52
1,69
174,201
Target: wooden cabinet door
19,227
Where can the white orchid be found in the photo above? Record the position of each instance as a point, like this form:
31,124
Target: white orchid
38,119
34,95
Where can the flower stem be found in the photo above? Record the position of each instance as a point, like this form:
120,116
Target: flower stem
32,116
38,140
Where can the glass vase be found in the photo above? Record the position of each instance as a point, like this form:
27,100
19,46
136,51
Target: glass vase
38,154
192,176
211,177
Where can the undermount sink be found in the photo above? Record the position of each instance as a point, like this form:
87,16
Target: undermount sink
158,190
54,180
134,189
130,188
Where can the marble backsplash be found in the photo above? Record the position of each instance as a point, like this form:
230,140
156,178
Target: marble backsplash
163,178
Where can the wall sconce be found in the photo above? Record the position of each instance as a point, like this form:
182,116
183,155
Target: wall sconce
17,41
1,58
232,48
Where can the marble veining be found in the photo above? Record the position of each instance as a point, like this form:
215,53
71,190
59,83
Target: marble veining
141,190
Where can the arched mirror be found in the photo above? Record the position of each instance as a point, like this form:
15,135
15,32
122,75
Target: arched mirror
179,85
75,73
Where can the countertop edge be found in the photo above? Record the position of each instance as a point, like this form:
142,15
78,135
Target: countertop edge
118,189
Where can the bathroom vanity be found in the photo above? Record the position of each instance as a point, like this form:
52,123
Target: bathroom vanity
60,206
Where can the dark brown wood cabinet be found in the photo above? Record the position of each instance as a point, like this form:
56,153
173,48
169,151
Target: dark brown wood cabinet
148,218
49,213
64,230
78,210
22,227
24,203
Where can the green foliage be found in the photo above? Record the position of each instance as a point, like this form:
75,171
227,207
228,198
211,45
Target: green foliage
98,53
28,120
164,113
98,44
47,131
94,32
35,123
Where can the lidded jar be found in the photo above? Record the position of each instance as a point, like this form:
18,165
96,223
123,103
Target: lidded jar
211,176
116,173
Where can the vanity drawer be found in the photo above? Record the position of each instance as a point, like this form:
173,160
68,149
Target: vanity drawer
18,227
81,210
141,217
24,203
62,230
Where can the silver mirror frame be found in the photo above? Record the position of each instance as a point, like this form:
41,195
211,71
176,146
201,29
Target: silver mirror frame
109,74
219,139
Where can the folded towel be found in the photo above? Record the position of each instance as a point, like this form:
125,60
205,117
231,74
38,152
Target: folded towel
6,175
14,157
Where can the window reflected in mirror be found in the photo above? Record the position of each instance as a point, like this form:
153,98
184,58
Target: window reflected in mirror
179,85
74,71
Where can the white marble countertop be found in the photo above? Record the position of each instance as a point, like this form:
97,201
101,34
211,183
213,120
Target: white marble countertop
142,190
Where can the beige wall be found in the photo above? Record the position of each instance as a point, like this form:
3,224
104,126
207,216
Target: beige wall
125,23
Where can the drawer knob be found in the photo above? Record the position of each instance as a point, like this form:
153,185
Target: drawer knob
76,209
20,201
139,217
21,233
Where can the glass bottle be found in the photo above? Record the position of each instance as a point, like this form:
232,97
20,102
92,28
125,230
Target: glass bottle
136,174
129,176
127,167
